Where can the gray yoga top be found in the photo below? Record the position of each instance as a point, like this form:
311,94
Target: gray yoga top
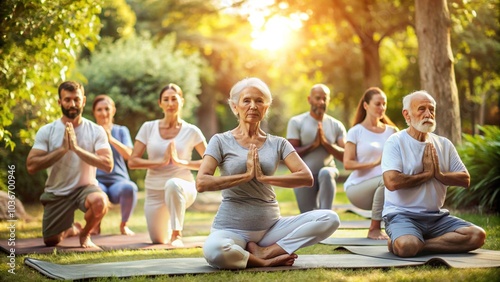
249,206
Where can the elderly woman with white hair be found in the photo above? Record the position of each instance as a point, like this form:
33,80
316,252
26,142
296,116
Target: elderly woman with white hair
248,230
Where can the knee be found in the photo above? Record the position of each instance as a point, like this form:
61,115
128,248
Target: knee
52,240
99,204
477,237
129,189
157,239
326,175
330,219
172,186
223,253
406,247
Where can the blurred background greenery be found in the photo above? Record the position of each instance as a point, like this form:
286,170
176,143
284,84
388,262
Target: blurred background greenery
130,49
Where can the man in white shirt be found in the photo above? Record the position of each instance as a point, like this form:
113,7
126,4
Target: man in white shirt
71,148
418,166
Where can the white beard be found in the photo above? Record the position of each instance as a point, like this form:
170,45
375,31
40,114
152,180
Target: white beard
426,128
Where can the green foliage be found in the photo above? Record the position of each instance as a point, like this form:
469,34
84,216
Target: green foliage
39,42
28,188
481,156
133,71
476,46
117,19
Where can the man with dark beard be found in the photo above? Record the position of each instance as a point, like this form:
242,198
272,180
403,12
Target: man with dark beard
71,148
418,166
318,138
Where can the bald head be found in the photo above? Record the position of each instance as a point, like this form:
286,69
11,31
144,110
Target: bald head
320,87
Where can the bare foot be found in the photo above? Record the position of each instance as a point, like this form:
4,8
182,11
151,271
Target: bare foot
283,260
265,252
124,230
377,234
389,246
86,242
272,255
176,239
74,230
177,243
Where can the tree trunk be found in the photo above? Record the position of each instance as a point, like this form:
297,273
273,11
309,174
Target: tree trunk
435,60
207,117
371,63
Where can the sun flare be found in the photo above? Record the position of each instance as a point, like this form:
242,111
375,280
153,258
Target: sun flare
274,34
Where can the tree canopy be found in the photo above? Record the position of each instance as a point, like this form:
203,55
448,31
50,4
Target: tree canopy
130,48
40,43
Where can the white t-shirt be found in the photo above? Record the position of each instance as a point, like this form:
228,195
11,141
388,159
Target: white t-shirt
70,172
188,137
369,147
403,153
304,128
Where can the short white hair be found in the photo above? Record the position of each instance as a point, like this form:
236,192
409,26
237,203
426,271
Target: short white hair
234,94
408,98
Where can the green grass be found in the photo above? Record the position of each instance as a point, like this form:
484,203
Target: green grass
202,221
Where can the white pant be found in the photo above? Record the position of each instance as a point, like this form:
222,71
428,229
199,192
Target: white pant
165,209
225,249
368,195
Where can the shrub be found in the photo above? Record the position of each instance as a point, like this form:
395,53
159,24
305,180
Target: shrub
481,156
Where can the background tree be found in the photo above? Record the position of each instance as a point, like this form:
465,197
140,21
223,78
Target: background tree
476,43
39,42
436,64
133,71
117,19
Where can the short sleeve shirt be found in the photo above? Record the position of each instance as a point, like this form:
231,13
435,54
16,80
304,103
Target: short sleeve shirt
252,205
369,147
70,172
304,128
404,154
185,141
119,172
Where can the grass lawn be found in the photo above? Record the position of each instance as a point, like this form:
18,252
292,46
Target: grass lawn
197,223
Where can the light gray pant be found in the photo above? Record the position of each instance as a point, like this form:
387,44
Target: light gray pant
165,209
368,195
225,249
321,194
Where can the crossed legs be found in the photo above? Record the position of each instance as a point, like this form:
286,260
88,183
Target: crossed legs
462,240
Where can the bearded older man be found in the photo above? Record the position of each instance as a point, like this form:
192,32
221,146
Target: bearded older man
418,166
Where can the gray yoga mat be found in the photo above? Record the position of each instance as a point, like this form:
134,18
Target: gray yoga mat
103,242
353,242
356,224
480,258
180,266
353,209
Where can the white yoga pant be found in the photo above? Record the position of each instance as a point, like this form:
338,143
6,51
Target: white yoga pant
225,249
165,209
368,195
321,194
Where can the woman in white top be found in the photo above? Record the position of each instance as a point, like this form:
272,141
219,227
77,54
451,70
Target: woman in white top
363,153
170,185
